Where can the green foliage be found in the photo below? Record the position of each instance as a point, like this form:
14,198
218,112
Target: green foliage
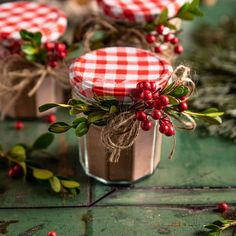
21,154
218,227
59,127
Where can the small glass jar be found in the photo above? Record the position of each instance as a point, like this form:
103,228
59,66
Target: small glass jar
115,72
33,17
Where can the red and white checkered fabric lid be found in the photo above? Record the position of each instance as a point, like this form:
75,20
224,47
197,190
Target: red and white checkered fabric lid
116,71
31,16
139,11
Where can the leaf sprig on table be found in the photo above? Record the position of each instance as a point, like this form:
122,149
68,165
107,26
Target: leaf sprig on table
22,165
218,227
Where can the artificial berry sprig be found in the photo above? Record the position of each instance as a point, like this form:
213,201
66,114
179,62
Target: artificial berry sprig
22,165
31,47
162,34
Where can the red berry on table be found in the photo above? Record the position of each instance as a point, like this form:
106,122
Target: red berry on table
60,47
160,29
156,115
167,38
146,95
179,49
146,86
139,87
146,125
49,46
183,106
158,49
174,40
61,55
222,207
150,38
153,87
141,115
53,64
19,125
52,233
171,131
164,128
157,104
51,118
164,100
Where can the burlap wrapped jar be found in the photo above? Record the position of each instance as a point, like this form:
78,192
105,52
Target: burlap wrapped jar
123,23
115,72
25,85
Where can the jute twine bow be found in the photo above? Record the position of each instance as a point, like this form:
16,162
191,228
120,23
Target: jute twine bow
122,130
18,74
116,34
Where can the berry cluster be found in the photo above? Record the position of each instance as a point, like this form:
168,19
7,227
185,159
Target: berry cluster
154,107
158,38
15,171
55,53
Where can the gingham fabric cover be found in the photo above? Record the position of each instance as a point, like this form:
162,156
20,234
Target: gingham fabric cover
50,21
116,71
139,11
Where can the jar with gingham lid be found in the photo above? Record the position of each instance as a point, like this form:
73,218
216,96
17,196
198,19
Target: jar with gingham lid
30,57
113,73
153,25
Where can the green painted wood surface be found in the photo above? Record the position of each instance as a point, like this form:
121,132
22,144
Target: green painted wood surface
178,199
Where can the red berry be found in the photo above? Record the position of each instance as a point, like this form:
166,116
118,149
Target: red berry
49,46
155,96
11,172
146,125
61,55
139,86
52,233
146,86
146,95
164,128
149,104
51,118
19,125
60,47
183,106
141,115
174,40
182,98
150,38
157,104
53,64
171,131
156,115
153,87
158,49
179,49
160,29
18,169
223,206
164,100
15,171
167,38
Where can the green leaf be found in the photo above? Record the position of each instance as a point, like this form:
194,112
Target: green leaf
168,88
171,26
77,109
212,227
180,91
43,142
73,191
203,114
77,121
163,17
82,129
37,38
18,152
70,184
23,166
212,120
48,106
183,9
74,102
96,116
187,16
26,35
31,57
42,174
55,184
113,109
59,127
173,100
28,49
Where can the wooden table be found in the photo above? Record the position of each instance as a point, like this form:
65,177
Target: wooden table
177,200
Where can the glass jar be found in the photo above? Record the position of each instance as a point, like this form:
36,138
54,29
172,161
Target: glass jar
115,72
